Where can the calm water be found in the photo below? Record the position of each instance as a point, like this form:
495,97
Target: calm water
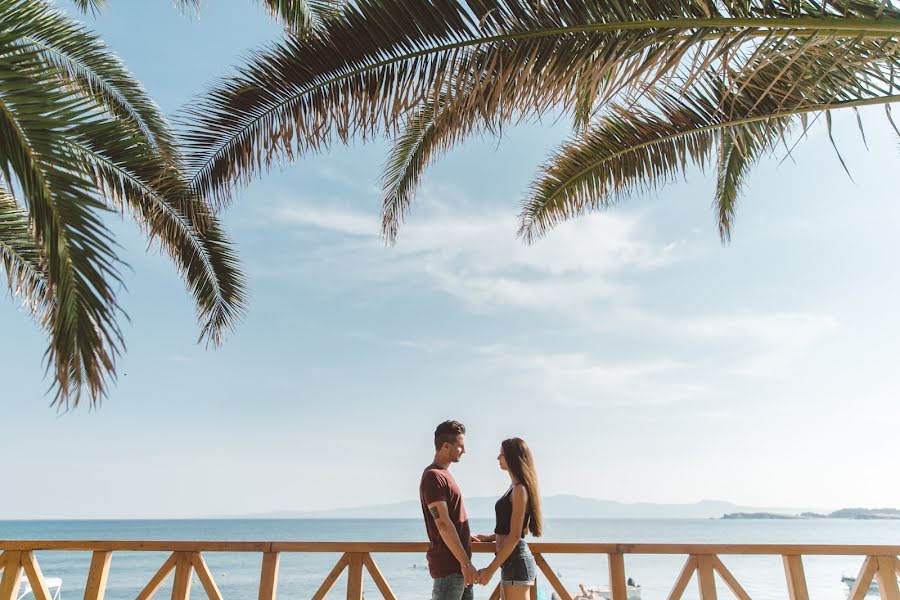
238,574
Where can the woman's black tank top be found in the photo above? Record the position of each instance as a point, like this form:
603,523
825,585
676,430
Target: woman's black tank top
503,510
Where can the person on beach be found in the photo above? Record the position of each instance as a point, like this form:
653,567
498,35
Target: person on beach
518,512
449,551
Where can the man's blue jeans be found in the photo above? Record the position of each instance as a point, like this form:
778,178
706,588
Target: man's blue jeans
452,587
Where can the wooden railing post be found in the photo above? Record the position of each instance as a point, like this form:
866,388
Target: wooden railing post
97,576
687,571
706,577
552,579
887,578
35,577
12,575
184,573
205,577
617,588
386,592
355,576
863,579
268,577
736,588
157,580
342,563
796,578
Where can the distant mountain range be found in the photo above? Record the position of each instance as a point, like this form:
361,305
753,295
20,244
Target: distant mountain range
561,506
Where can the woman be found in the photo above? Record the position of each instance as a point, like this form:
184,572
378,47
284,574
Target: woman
518,512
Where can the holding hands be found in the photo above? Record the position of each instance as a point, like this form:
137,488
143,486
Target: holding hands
470,574
484,575
479,576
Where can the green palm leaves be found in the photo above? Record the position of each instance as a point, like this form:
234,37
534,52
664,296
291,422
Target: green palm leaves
438,70
79,139
303,17
727,117
651,87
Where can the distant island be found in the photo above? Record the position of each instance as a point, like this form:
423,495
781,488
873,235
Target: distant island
844,513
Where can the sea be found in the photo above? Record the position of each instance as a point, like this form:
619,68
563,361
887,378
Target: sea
237,574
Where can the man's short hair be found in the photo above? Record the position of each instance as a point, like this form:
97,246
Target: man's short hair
446,432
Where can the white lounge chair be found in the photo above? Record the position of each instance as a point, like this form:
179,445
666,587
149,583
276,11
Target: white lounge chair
54,585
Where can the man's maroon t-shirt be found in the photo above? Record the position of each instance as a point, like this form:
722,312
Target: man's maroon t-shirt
438,485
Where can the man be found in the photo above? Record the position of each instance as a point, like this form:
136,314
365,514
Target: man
449,553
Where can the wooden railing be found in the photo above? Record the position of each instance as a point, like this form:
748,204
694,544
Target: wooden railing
879,563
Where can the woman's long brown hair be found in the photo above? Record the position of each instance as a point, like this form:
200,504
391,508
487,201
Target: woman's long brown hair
521,464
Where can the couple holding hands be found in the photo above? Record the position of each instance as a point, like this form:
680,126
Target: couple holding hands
518,512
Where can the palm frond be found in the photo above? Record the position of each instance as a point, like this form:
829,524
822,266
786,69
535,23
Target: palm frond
303,17
295,15
640,147
21,258
377,60
78,137
93,6
406,162
739,149
84,62
129,174
433,128
324,10
80,262
584,108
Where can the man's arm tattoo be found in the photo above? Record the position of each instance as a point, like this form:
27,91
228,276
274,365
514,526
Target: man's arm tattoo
434,512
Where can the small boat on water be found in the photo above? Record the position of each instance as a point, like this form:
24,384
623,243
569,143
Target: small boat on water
54,585
601,592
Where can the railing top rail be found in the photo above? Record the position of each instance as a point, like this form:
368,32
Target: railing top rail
404,547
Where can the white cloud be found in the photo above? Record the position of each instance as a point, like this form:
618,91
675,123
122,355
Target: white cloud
757,344
338,221
486,243
477,258
582,273
750,327
485,292
576,379
772,328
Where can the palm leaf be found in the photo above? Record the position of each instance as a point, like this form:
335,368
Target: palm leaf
21,259
407,160
82,60
80,262
78,136
738,151
432,129
637,148
304,16
377,60
131,175
299,16
94,6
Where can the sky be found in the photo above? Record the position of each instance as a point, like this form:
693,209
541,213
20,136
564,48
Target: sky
640,358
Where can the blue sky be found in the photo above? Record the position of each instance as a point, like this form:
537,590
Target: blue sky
641,359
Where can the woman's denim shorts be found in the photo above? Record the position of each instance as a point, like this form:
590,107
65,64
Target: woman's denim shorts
519,568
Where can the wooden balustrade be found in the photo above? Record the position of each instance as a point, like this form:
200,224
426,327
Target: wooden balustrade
17,560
